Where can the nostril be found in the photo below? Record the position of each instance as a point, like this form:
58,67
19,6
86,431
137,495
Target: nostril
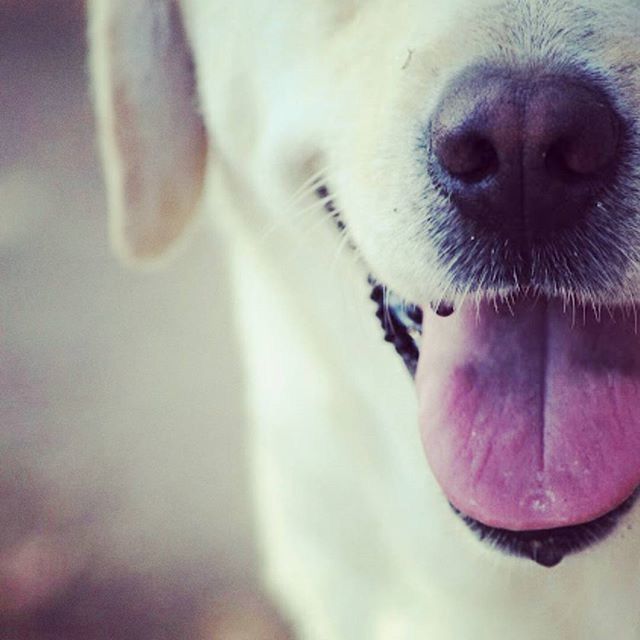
563,164
583,157
469,157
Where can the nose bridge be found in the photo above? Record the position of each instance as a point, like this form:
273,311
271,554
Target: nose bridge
538,36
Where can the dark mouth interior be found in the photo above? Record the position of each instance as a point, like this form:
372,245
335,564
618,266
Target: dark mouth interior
402,324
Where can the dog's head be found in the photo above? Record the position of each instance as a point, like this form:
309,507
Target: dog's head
483,158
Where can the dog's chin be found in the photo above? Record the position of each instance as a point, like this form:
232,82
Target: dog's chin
547,547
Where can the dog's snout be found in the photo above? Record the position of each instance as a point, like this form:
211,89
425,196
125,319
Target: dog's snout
526,156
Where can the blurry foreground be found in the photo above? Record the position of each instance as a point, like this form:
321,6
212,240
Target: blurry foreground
123,508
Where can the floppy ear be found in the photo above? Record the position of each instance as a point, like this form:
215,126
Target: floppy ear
152,137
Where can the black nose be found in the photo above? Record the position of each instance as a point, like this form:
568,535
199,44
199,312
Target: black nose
525,156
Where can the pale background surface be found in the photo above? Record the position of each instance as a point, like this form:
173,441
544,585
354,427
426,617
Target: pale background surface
123,487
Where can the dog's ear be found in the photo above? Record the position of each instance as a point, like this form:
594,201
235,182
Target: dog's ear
152,137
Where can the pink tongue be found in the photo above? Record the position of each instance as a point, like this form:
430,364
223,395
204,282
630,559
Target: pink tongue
531,420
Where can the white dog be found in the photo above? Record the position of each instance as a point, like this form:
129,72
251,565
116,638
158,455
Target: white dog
472,166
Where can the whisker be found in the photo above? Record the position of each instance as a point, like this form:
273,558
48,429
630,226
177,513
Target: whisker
387,314
291,216
308,186
344,242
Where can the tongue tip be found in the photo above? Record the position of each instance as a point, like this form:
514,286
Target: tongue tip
523,525
542,509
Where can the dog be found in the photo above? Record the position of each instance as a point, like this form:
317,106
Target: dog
431,214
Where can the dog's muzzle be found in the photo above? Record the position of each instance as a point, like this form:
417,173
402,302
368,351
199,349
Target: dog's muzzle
529,404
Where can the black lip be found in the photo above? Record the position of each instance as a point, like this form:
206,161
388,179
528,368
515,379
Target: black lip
548,547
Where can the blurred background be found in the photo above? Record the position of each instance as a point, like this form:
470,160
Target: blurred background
124,509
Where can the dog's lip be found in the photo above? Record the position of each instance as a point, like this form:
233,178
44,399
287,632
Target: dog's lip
442,308
548,547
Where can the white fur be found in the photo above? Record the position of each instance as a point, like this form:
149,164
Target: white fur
358,541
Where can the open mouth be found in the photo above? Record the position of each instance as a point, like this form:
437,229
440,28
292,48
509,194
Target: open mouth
529,415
